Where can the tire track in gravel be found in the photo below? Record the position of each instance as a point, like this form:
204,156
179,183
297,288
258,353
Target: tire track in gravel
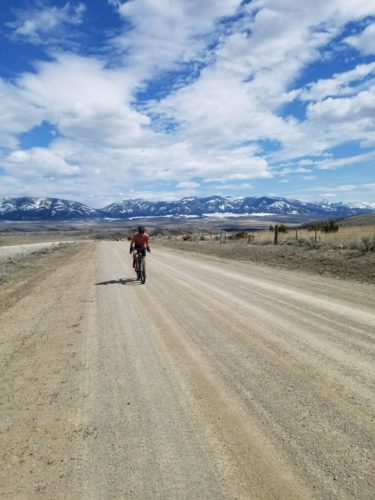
339,386
276,377
214,380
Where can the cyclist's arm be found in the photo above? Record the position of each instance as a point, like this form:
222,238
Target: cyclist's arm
147,242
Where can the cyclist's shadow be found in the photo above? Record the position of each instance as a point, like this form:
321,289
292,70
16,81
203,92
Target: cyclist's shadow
121,281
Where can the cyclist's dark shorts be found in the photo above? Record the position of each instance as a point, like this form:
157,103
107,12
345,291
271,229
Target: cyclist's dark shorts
142,249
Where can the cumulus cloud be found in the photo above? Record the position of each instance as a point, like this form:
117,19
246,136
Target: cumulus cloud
341,84
238,96
336,110
222,114
17,114
168,33
365,41
35,24
85,100
38,161
344,119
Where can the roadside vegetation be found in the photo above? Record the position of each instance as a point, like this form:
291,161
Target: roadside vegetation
326,249
9,264
21,273
342,248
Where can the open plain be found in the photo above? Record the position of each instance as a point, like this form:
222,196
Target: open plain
216,379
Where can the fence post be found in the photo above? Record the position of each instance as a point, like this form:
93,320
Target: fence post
276,238
296,234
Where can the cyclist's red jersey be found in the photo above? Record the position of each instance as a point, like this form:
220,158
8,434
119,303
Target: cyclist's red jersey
140,240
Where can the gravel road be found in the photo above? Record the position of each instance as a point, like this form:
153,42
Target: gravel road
214,380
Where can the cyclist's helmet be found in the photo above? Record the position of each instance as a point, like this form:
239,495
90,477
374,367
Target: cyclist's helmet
141,229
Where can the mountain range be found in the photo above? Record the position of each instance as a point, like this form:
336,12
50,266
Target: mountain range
30,208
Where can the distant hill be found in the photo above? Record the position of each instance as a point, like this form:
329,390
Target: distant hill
30,208
358,220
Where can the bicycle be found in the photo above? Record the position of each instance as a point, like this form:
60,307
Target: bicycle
140,266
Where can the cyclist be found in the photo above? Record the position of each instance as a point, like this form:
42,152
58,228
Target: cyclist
140,240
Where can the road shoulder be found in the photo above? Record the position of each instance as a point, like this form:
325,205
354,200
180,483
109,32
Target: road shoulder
42,338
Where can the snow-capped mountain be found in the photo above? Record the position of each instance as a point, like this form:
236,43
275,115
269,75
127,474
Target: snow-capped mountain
239,206
191,206
28,208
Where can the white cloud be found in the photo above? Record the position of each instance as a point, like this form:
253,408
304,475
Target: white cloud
309,177
365,42
38,161
340,84
335,163
167,33
188,185
301,170
238,96
334,12
347,187
36,23
350,108
237,99
306,162
344,119
333,190
85,100
17,114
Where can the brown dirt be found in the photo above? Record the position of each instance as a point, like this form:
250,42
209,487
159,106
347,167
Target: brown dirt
214,380
21,274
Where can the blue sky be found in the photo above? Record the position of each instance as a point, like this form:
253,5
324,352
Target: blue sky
160,99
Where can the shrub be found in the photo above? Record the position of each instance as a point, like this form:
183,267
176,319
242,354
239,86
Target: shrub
238,236
281,228
368,245
157,232
291,242
330,226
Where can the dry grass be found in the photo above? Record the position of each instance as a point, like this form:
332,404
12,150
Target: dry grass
22,274
11,264
348,254
345,235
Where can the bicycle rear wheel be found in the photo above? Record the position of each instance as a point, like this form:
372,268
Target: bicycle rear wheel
142,271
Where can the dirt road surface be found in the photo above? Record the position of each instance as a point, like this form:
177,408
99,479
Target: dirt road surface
214,380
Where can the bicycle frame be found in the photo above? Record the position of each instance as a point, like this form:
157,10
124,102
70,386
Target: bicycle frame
140,266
